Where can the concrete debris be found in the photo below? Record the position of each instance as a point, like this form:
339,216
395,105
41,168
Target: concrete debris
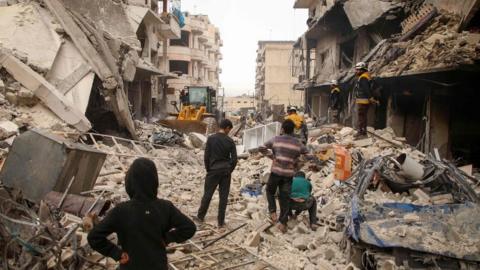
181,177
438,46
198,140
7,129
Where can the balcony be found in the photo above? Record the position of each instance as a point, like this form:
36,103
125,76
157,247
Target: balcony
170,29
198,54
198,27
202,39
180,53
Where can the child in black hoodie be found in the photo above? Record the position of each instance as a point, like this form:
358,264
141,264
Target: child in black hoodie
145,225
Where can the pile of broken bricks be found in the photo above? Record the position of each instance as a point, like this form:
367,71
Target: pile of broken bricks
438,46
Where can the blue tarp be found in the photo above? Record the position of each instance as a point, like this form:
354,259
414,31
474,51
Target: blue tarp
180,17
451,230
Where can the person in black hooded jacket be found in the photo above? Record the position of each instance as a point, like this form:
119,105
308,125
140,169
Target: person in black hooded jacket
145,225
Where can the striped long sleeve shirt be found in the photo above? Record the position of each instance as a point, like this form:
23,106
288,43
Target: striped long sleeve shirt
286,151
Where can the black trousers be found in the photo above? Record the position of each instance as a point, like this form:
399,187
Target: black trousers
362,110
310,204
284,185
222,180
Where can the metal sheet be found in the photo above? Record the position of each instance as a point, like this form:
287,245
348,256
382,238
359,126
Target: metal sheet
257,136
448,230
39,162
77,205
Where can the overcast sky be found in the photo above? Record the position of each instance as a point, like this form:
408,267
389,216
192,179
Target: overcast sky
242,24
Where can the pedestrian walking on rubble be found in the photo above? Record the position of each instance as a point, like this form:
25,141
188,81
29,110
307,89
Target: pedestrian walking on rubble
145,225
285,151
363,97
220,161
335,103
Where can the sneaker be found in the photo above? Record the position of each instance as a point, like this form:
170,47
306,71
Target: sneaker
282,228
222,228
313,227
273,217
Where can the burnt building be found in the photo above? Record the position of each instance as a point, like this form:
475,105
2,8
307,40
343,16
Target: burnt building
423,56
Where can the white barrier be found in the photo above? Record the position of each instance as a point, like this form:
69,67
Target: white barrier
257,136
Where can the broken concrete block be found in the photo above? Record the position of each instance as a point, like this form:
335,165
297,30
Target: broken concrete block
442,199
329,208
335,236
301,228
351,266
7,129
301,242
324,265
328,181
26,97
387,265
363,143
411,217
346,131
253,239
198,140
186,197
11,98
421,196
329,254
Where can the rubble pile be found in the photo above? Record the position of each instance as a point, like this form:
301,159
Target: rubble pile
331,245
438,46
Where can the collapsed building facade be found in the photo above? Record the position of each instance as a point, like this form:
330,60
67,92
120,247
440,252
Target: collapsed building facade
423,57
96,58
111,62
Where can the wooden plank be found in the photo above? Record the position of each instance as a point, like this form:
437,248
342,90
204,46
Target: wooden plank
71,80
46,92
81,41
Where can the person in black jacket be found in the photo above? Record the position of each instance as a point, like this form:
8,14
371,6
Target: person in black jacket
363,97
335,103
220,161
145,225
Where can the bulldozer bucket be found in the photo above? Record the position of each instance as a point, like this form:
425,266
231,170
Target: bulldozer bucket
185,126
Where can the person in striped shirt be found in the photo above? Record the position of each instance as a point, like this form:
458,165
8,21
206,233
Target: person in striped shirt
285,151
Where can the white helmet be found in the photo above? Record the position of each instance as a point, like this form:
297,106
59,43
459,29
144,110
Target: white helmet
292,108
334,82
361,65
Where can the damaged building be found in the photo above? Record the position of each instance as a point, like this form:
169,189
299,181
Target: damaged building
273,80
97,64
194,58
423,57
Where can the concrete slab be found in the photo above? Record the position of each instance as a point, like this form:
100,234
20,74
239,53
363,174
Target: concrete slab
29,30
67,61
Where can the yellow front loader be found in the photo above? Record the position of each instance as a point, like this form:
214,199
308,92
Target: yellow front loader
197,112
